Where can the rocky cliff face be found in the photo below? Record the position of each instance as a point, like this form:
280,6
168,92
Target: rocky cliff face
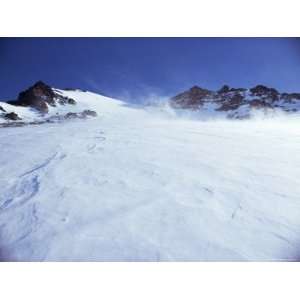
237,102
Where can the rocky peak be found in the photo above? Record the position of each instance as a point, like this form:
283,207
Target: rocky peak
192,97
265,92
230,100
39,96
198,91
290,96
224,89
41,85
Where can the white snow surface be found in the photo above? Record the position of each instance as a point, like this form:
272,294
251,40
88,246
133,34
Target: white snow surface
139,184
27,113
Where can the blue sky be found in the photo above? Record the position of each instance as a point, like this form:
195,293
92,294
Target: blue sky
134,68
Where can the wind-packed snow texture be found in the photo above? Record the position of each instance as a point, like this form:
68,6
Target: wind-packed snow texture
138,184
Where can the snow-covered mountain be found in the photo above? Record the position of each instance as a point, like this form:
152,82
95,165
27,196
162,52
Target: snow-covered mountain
142,184
41,103
237,103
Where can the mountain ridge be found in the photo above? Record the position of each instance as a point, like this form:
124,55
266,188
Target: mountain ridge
42,102
236,102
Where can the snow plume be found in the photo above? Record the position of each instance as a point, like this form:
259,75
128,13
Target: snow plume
210,112
278,120
142,94
161,106
277,114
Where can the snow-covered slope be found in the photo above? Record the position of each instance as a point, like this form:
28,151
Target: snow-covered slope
27,114
135,184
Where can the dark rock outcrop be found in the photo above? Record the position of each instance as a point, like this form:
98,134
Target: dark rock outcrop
89,113
224,89
12,116
265,92
82,115
39,96
258,103
65,100
233,102
2,109
54,119
193,98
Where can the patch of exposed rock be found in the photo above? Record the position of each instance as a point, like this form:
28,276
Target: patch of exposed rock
40,96
233,102
12,116
193,98
82,115
265,92
54,119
